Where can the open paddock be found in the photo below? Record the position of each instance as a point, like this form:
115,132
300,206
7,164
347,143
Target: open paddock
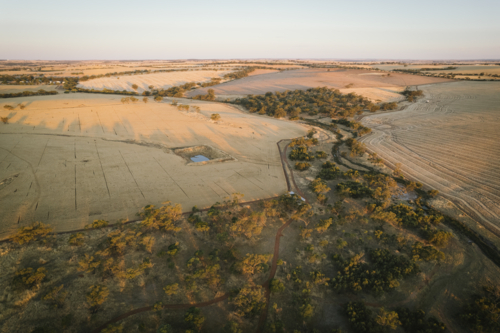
313,78
159,80
69,159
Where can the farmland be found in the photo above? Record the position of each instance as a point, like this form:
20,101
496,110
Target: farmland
450,144
118,158
378,86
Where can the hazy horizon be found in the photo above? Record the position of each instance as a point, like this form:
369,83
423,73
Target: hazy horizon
451,30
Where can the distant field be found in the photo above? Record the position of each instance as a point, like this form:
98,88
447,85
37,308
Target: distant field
451,144
160,80
73,158
7,89
471,69
312,78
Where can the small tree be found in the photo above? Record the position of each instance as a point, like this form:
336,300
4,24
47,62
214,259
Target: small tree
5,120
97,295
215,116
386,318
135,86
171,289
194,317
145,100
29,278
158,98
250,301
76,239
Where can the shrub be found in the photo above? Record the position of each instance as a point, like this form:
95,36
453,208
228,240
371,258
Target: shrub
76,239
277,286
171,289
301,166
29,278
250,301
97,295
97,224
135,86
194,318
215,116
5,120
158,98
36,231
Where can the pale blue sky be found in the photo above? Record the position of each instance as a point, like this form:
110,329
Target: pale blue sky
389,29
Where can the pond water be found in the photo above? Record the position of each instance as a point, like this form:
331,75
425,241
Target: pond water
199,158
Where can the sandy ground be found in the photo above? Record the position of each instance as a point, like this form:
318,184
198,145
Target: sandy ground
69,159
450,144
312,78
379,94
8,89
160,80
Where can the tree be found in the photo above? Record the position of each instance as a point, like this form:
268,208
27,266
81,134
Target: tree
5,120
76,239
145,100
306,310
97,296
250,301
171,289
215,116
253,263
277,286
386,318
319,186
36,231
194,318
135,86
163,218
158,98
113,328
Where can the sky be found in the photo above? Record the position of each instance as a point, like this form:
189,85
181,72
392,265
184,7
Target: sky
220,29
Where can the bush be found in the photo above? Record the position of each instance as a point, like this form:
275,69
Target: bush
5,120
97,295
215,116
482,312
36,231
29,278
301,166
76,239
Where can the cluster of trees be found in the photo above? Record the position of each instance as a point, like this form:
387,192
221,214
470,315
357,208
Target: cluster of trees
356,148
482,313
382,275
213,81
239,74
28,79
412,95
363,320
355,126
311,101
210,96
40,92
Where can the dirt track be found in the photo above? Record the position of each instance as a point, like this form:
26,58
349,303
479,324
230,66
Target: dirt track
450,144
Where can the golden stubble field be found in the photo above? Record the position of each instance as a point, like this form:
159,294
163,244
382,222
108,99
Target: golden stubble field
449,141
67,160
158,80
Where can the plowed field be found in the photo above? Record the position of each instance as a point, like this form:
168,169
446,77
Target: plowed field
450,143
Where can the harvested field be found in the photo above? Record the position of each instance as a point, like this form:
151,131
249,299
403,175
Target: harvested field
160,80
262,71
75,158
450,144
7,89
471,69
312,78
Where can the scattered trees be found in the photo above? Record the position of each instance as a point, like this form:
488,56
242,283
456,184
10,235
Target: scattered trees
481,314
250,301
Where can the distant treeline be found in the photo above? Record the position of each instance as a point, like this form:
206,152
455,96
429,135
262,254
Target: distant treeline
30,79
40,92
